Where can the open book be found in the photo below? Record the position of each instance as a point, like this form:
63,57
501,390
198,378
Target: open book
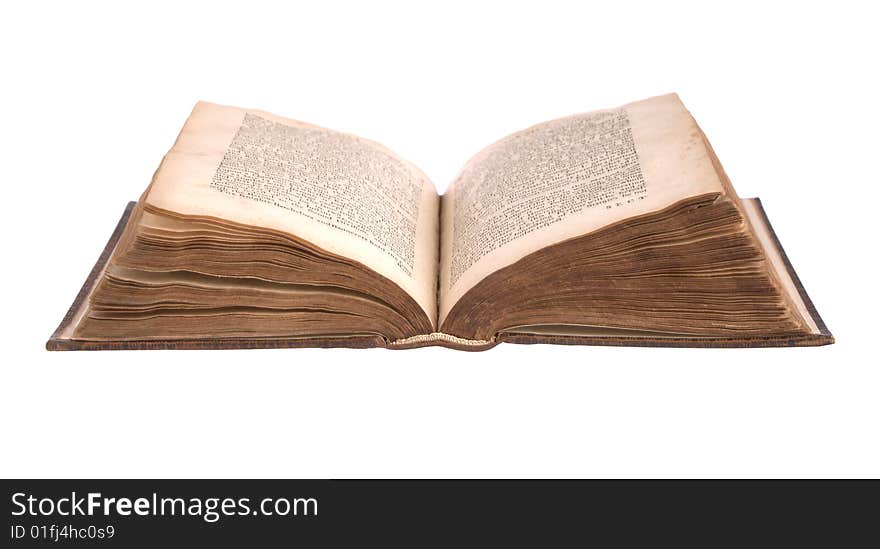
617,227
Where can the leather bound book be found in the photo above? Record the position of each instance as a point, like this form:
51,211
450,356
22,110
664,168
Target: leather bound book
614,227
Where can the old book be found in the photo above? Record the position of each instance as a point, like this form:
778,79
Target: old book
614,227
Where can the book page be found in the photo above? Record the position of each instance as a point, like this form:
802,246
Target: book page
344,194
566,178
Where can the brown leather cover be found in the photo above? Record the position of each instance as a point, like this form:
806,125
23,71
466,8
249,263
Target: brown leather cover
60,343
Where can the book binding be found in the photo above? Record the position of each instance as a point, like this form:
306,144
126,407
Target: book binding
61,339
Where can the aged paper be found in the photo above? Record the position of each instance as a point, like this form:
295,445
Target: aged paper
566,178
344,194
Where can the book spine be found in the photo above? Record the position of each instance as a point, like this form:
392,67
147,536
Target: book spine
441,339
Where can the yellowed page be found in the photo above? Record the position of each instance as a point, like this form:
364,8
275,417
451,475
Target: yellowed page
566,178
342,193
774,257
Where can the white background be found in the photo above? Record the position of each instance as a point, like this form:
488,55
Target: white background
93,95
